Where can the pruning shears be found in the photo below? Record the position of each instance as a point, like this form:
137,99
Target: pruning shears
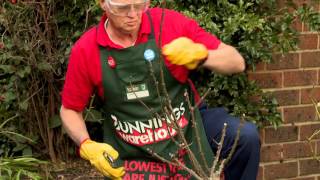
114,163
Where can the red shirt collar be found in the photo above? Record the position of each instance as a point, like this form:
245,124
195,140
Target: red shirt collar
104,40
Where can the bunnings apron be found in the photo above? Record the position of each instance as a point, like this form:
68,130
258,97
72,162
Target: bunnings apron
135,130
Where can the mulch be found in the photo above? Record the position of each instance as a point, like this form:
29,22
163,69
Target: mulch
77,169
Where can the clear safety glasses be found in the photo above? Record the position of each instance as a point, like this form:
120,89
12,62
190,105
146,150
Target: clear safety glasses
123,9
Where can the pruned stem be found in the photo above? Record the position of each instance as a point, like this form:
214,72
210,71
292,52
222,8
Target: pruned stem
190,154
195,125
220,145
202,98
235,143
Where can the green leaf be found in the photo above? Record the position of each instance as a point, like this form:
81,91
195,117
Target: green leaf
24,105
9,96
45,66
18,175
27,151
26,71
55,121
19,147
7,69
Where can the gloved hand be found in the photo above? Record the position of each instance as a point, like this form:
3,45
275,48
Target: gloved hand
183,51
96,154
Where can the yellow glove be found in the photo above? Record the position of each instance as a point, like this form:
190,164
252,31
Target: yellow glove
183,51
96,153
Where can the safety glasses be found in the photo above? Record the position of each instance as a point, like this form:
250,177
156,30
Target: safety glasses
123,9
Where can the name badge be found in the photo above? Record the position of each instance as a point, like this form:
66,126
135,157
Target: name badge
136,91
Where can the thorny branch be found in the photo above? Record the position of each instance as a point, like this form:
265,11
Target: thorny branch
315,133
194,123
198,171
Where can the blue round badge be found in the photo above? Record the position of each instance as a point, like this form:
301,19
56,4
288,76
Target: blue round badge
149,55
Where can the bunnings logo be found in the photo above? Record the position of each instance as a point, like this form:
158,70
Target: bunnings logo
151,130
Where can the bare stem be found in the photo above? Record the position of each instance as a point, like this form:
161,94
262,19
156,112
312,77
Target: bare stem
195,125
314,134
316,106
175,162
220,145
156,82
202,98
161,158
187,169
185,145
216,175
9,119
235,143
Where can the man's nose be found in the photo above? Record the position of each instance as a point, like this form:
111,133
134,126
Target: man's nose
132,12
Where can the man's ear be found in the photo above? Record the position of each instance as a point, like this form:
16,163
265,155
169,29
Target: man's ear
148,3
102,4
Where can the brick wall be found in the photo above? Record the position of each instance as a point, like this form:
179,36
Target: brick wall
285,154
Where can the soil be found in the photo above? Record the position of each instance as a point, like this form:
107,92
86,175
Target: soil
75,170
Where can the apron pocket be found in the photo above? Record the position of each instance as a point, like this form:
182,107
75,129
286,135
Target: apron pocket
132,72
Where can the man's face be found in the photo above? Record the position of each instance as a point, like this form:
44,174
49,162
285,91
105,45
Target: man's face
125,15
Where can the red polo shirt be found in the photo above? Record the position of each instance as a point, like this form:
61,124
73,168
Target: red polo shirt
84,74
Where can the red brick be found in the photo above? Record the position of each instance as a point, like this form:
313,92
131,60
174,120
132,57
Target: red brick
261,135
280,3
299,114
309,166
318,148
281,134
307,94
287,97
307,130
313,147
296,150
310,59
300,3
300,78
308,41
319,76
288,61
297,25
267,80
282,170
260,173
271,153
258,67
303,178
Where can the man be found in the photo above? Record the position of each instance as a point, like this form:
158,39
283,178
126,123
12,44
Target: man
114,60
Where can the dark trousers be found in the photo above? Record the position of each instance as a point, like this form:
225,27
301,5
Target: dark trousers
244,163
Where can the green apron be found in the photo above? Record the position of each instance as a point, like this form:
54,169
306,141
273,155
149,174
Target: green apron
131,128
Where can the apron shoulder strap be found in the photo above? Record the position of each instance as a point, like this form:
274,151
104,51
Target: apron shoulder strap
151,35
